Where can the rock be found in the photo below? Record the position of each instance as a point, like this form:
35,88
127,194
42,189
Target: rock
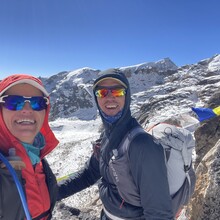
205,203
209,132
206,198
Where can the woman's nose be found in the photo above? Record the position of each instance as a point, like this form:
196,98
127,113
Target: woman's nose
27,107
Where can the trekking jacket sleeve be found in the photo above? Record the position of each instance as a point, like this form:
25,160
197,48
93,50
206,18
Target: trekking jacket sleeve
80,180
148,169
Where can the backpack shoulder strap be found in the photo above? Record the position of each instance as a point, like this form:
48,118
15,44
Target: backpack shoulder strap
130,136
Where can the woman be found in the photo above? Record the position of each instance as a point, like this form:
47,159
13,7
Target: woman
24,127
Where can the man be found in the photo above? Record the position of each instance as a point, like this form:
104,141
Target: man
134,189
24,130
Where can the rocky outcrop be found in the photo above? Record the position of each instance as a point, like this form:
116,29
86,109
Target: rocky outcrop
209,132
205,203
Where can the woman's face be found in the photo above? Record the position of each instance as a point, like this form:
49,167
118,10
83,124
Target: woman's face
26,123
110,104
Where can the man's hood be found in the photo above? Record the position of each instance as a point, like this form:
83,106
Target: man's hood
119,76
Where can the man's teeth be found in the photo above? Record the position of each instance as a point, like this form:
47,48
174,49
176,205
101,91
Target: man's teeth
25,121
111,106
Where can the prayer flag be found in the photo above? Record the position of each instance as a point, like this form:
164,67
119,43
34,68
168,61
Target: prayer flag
206,113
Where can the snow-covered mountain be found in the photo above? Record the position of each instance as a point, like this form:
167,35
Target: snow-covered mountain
161,86
160,90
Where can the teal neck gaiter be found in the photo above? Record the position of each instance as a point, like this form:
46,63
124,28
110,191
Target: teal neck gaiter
33,151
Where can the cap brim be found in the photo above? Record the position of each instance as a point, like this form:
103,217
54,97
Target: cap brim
30,82
115,79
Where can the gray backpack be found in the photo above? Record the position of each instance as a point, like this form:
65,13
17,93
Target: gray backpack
178,144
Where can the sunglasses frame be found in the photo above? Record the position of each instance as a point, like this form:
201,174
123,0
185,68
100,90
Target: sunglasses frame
110,88
26,99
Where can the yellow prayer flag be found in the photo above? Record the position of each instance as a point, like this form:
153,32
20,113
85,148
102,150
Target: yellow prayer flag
217,110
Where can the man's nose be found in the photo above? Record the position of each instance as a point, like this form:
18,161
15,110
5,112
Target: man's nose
109,95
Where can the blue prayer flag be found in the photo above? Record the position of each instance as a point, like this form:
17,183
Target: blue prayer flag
206,113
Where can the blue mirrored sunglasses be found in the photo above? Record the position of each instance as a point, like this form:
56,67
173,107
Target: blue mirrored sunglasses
16,102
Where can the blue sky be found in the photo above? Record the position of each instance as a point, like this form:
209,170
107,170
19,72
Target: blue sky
44,37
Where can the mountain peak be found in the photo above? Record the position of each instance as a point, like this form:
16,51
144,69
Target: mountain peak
162,65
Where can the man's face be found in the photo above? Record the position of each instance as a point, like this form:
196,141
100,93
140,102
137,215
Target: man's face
26,123
110,104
